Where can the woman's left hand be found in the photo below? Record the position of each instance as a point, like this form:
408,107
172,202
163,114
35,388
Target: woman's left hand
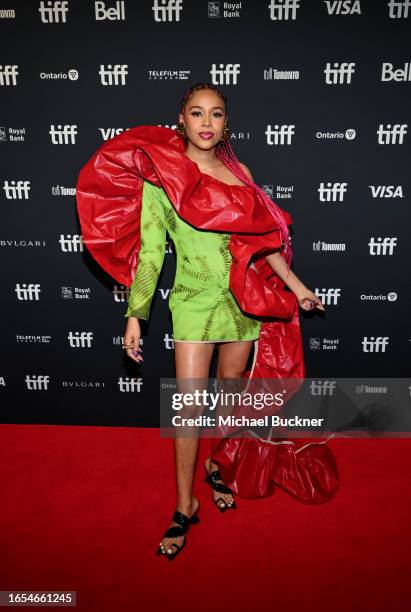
308,300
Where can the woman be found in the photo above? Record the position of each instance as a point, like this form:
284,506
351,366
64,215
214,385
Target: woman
217,218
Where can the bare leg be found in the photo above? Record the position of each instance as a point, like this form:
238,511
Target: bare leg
192,362
232,361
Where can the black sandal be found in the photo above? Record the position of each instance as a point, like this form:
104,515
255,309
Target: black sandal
177,531
211,479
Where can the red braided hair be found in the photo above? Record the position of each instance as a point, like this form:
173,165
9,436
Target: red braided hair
225,153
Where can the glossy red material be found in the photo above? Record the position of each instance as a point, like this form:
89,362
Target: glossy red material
109,199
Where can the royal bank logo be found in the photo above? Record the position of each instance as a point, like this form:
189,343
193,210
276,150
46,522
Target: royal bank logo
225,74
391,134
279,192
280,10
339,73
75,293
231,10
53,12
324,344
12,134
167,10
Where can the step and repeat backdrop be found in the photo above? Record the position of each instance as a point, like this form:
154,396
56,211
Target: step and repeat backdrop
319,109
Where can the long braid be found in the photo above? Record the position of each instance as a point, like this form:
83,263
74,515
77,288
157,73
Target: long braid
225,153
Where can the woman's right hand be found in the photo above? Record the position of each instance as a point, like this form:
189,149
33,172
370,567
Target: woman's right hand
132,336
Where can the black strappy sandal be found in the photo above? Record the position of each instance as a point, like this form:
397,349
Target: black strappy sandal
211,479
177,531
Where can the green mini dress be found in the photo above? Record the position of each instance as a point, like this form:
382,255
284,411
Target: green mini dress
202,305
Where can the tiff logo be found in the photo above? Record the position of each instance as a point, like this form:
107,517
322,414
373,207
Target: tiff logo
391,134
28,292
169,11
53,12
117,13
16,190
63,134
71,243
328,296
80,339
225,74
325,387
332,192
8,74
374,344
113,75
382,246
129,385
283,9
398,10
37,383
279,135
339,74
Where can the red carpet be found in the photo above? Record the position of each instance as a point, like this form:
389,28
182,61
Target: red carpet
83,508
